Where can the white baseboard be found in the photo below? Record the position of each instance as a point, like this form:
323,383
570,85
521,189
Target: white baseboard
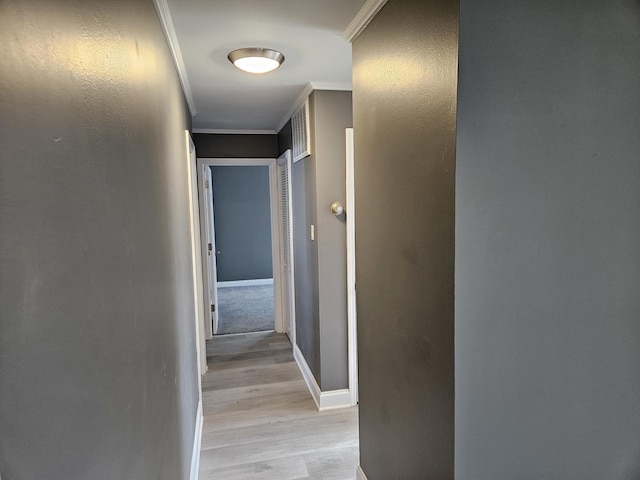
309,379
197,444
246,283
360,474
324,400
335,399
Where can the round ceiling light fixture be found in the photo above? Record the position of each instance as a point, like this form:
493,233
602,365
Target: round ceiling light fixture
256,59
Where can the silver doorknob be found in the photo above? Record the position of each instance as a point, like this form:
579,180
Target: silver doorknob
337,208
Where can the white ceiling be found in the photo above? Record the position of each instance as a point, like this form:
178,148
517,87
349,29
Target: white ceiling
307,32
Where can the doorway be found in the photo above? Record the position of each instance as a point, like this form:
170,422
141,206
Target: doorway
241,238
243,248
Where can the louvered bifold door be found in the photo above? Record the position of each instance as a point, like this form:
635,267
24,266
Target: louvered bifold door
286,227
286,241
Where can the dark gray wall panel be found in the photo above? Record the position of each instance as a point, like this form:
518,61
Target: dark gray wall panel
332,115
285,140
243,222
98,374
548,241
235,145
303,187
404,98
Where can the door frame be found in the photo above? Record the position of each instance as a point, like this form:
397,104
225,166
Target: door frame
352,330
275,229
196,258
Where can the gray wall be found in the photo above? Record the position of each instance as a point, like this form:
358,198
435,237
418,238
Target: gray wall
320,265
243,222
285,138
404,97
236,145
548,241
303,187
332,115
307,299
98,374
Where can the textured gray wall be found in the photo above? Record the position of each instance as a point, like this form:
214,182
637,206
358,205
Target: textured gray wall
303,187
548,241
404,97
215,145
243,222
332,114
98,374
320,265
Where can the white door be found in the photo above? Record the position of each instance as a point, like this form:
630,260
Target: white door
285,217
210,247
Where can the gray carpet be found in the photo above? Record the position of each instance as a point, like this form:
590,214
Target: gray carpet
245,309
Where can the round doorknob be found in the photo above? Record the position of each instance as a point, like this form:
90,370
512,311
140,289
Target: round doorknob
337,208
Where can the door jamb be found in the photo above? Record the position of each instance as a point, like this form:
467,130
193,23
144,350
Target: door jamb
196,259
352,337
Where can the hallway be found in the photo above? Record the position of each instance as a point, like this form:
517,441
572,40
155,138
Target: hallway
260,422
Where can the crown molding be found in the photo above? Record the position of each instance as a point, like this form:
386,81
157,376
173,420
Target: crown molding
306,91
362,19
337,86
170,33
222,131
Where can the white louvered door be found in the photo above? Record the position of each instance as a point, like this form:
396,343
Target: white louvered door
286,242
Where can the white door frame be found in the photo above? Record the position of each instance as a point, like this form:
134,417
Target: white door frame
198,299
286,157
196,258
352,337
275,229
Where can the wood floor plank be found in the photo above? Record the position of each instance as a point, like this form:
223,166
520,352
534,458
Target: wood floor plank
290,468
260,422
255,375
216,397
333,463
287,430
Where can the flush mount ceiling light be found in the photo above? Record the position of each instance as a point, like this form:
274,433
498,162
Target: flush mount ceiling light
256,59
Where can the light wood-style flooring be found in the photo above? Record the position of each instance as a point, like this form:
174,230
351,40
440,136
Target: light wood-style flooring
260,422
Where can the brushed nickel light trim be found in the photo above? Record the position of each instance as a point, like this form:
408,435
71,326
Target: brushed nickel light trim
256,59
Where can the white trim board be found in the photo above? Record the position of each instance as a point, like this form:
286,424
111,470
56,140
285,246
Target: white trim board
335,86
222,131
172,39
197,443
352,329
237,162
201,311
360,474
362,19
324,400
246,283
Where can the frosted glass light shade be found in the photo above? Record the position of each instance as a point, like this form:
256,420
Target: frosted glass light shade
256,60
